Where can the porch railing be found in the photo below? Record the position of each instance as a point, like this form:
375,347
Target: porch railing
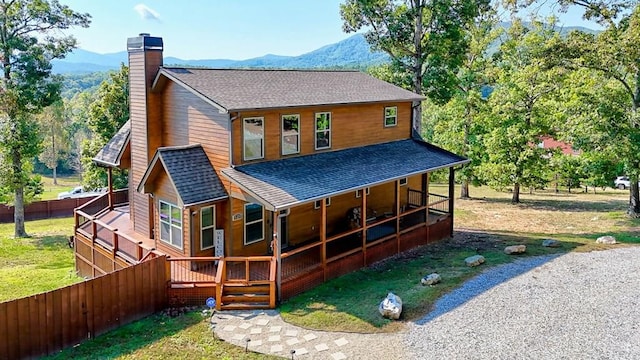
193,270
438,203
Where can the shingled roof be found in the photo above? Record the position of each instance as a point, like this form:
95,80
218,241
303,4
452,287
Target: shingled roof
189,170
284,183
111,154
235,90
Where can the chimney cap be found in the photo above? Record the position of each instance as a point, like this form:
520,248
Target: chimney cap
144,42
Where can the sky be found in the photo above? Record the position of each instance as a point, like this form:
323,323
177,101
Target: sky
221,29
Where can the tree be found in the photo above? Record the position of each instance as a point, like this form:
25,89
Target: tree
29,39
522,110
107,114
613,97
423,38
454,125
54,122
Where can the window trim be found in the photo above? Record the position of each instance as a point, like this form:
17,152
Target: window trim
251,223
171,225
282,135
212,226
316,131
395,117
403,181
244,138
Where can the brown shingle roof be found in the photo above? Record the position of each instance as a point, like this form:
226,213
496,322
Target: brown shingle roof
235,90
283,183
111,154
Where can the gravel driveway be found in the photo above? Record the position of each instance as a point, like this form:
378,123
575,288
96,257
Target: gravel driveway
573,306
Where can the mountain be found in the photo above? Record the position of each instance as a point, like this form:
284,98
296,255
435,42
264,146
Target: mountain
351,52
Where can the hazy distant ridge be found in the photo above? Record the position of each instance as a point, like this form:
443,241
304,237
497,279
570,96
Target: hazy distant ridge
353,51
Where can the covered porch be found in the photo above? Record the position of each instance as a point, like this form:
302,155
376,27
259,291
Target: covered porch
335,212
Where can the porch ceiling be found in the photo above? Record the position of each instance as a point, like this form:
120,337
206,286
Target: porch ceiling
284,183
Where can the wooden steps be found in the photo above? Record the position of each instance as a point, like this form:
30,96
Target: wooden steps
244,297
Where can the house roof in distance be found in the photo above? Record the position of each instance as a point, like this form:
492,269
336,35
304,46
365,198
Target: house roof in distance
245,89
189,170
111,153
284,183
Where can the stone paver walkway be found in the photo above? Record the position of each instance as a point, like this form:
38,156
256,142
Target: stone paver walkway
265,332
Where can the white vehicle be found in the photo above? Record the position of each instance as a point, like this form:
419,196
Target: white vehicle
622,182
78,192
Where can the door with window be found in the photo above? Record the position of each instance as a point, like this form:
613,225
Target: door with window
207,227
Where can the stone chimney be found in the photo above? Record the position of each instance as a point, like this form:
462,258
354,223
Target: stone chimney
145,59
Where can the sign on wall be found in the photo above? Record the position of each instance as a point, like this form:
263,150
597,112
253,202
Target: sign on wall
219,243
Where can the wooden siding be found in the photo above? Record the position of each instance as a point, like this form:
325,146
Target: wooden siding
145,129
303,223
236,246
221,210
189,120
351,126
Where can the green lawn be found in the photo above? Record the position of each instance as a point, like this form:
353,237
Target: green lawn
41,263
160,337
65,183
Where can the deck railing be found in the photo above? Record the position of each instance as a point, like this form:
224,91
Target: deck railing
193,270
438,203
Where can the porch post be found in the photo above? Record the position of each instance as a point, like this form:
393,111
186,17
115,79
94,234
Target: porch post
451,194
110,185
398,213
277,249
323,237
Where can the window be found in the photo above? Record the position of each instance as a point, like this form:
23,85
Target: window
171,224
359,192
323,130
207,227
253,223
403,181
290,134
390,116
318,203
253,135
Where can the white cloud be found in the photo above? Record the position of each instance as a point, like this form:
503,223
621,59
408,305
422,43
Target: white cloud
146,12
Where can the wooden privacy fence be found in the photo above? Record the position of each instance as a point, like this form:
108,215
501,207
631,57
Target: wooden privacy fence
43,324
44,209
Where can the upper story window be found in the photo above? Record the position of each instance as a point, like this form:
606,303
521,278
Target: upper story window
323,130
253,223
290,134
253,136
390,116
170,224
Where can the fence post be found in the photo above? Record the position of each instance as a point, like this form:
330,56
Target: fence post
115,243
139,254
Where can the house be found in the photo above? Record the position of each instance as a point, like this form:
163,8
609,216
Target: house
261,184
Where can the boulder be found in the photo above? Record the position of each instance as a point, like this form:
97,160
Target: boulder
391,307
431,279
515,249
610,240
474,260
551,243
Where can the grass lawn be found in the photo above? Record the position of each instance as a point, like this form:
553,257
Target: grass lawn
485,225
65,183
41,263
160,337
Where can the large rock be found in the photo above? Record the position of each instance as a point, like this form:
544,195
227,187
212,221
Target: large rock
431,279
391,307
551,243
610,240
474,260
515,249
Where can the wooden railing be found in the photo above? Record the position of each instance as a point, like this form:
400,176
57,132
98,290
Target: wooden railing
416,198
438,203
193,270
